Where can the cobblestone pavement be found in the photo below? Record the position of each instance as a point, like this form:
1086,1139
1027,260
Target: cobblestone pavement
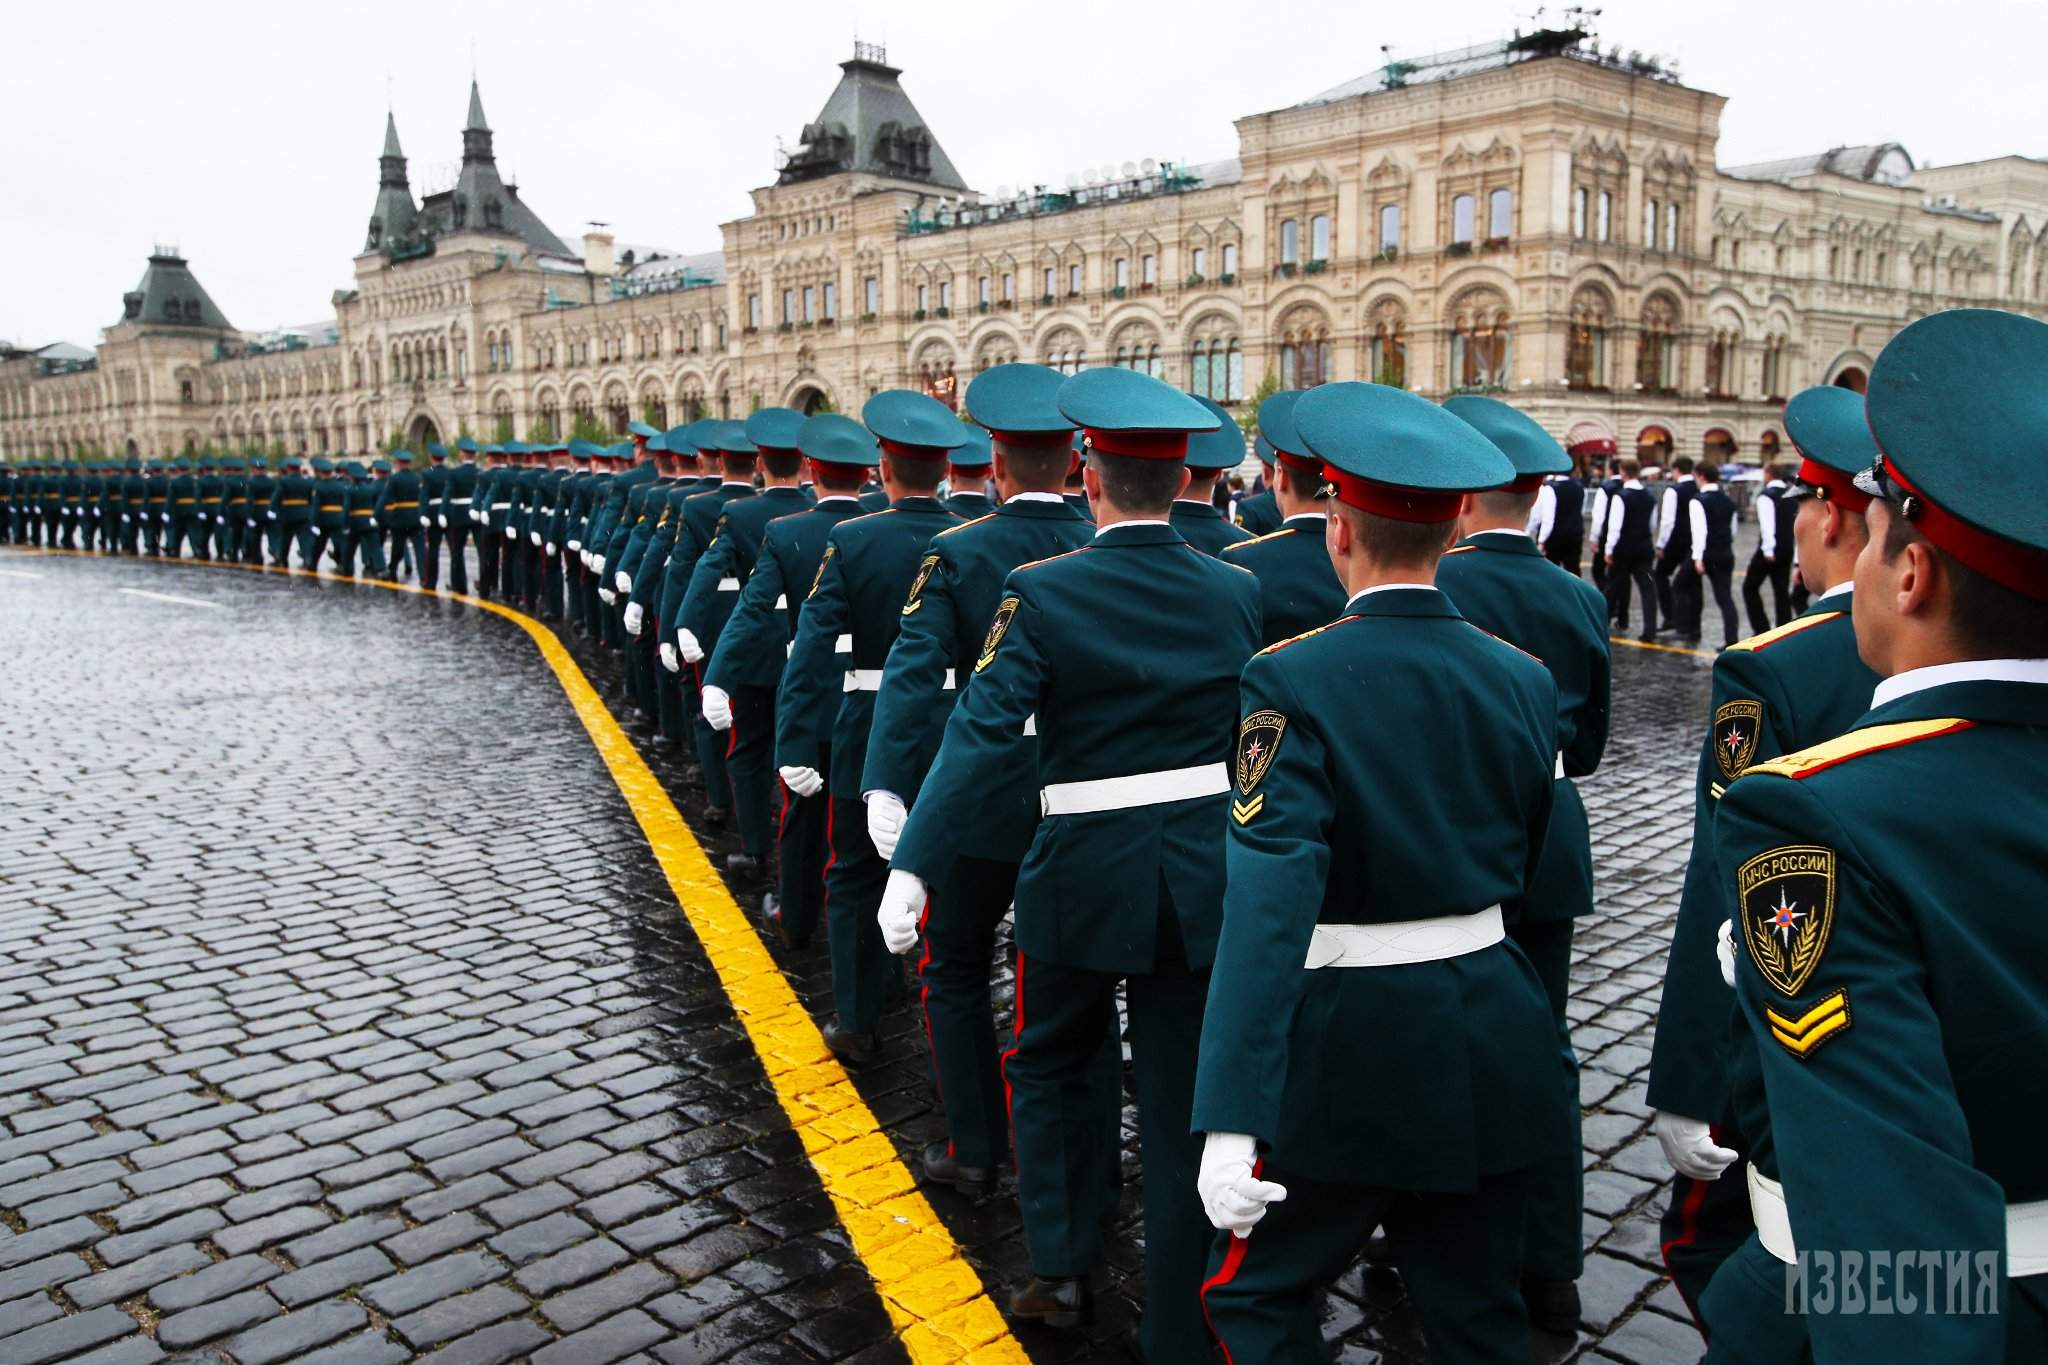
347,1016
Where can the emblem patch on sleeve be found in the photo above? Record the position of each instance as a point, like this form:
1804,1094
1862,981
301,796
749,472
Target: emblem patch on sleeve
820,577
924,573
1004,614
1258,739
1737,725
1801,1035
1788,911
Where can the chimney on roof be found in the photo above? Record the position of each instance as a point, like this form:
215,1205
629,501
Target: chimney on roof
597,254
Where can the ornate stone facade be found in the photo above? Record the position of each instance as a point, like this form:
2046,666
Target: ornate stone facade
1529,218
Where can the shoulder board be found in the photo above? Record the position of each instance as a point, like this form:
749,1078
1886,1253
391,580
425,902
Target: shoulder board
1219,559
1279,645
1784,632
1259,540
1855,744
1053,559
953,530
1509,643
1458,550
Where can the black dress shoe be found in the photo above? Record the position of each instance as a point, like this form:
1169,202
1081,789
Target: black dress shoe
1553,1305
742,864
939,1165
1056,1303
716,816
857,1048
1646,639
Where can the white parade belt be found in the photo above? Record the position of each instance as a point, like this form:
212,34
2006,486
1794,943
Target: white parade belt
782,602
870,680
728,585
1560,765
1404,941
2026,1228
1139,789
501,507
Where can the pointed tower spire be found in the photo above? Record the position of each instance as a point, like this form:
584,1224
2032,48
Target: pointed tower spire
476,110
395,220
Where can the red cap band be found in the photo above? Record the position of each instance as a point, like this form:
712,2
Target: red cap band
1526,483
1032,438
965,467
2022,568
1304,463
1074,465
1385,500
1841,488
909,452
1140,445
776,450
838,467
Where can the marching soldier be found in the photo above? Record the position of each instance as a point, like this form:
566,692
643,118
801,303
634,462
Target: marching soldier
485,515
827,704
212,507
726,443
1889,959
1259,513
361,535
967,477
1381,832
134,505
433,524
1500,581
1123,656
951,602
398,513
290,514
230,529
716,583
1211,455
328,528
1298,587
1773,694
757,642
184,511
262,484
452,516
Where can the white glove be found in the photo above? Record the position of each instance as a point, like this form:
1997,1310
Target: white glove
477,516
124,517
609,597
885,822
549,549
511,534
585,556
622,581
691,651
426,521
903,900
270,516
669,660
802,781
1724,948
634,611
1232,1196
576,548
535,535
442,517
717,708
251,523
1690,1148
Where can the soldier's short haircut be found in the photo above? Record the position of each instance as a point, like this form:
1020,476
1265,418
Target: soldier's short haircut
1393,542
1138,486
1499,502
919,476
737,466
839,478
781,464
1036,466
1989,619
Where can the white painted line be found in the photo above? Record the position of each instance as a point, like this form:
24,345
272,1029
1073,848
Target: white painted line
17,573
167,597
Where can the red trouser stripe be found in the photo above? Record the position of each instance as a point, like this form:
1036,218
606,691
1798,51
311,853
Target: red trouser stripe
1016,1033
1233,1260
924,1008
1689,1228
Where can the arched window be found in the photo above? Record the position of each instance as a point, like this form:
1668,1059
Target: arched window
1585,357
1290,242
1657,349
1482,341
1724,353
1319,237
1774,369
1461,221
1500,214
1137,348
1064,352
1387,358
1304,349
1390,229
1215,362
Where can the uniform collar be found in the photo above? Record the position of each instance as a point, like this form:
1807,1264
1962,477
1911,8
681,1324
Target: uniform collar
918,502
1193,507
1015,498
1306,516
1841,589
1147,531
1040,507
781,492
2033,672
1400,599
831,498
1632,483
1709,487
1502,539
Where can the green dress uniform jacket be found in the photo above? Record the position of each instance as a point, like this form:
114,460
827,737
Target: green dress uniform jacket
756,643
722,572
867,570
213,492
1892,974
157,499
701,515
1318,834
461,490
1298,587
292,499
1773,694
1259,513
1076,649
434,480
134,498
398,502
652,538
969,505
1204,527
952,600
331,504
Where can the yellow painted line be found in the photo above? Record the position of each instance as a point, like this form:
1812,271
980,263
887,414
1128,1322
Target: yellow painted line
1634,643
936,1300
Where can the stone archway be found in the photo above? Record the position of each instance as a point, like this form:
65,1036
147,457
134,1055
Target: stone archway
1853,379
810,399
421,433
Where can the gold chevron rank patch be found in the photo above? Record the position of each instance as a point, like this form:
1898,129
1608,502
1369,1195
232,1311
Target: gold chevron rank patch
1243,811
1802,1036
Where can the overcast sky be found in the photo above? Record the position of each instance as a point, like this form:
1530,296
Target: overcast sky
248,133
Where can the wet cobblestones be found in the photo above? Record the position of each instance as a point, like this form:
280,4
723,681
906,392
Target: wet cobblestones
345,1015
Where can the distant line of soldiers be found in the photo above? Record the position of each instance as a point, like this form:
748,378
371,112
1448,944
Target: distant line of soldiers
1305,800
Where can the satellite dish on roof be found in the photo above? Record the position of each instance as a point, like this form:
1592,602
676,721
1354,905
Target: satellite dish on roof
1130,170
1148,166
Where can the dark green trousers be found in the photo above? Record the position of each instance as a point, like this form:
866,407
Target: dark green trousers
750,766
1061,1121
1555,1247
803,850
861,962
1706,1221
1460,1257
